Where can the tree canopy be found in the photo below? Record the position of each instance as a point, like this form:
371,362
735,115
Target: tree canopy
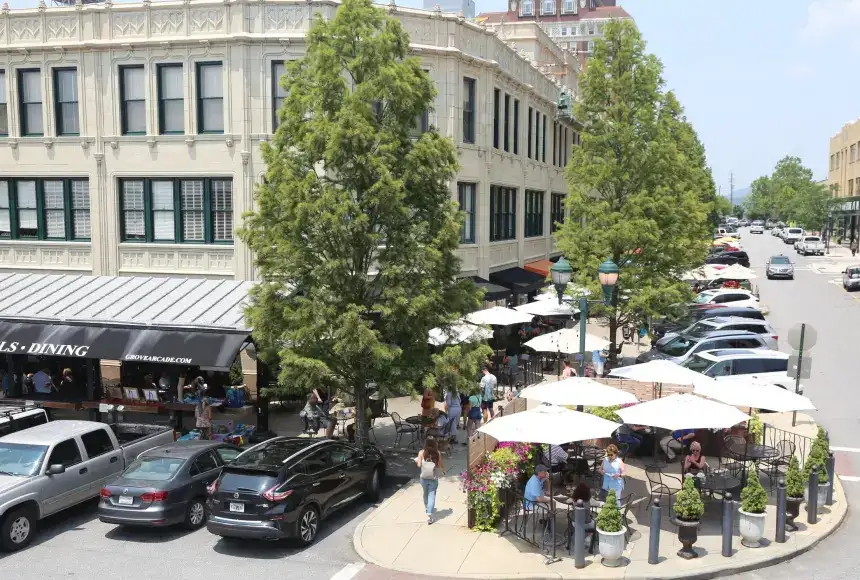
355,232
789,194
640,190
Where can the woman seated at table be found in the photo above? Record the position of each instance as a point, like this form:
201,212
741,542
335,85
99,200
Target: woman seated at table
613,471
695,463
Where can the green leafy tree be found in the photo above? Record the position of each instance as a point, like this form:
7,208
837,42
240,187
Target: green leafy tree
738,211
759,201
457,367
640,191
354,234
790,194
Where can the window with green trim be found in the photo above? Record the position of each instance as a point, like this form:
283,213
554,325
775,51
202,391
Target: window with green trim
171,99
30,97
66,101
210,97
174,210
279,69
503,213
132,98
4,106
534,214
45,209
556,211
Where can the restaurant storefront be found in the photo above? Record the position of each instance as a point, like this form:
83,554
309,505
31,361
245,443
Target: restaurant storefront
844,222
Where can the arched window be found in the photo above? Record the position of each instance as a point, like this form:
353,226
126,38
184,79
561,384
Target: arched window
528,8
548,7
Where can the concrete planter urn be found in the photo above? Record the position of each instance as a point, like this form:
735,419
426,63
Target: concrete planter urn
792,510
822,495
751,527
611,547
688,533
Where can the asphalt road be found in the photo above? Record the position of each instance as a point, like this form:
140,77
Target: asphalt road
813,298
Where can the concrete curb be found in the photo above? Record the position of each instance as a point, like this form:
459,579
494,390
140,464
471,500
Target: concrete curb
711,572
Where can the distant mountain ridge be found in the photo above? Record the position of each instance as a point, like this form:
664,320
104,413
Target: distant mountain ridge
739,195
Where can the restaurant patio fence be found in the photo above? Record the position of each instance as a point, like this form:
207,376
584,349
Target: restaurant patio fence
779,438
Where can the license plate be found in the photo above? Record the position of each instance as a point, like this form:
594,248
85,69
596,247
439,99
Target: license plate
238,508
126,500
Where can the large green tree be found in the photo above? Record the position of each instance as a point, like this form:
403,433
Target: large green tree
640,190
790,194
355,232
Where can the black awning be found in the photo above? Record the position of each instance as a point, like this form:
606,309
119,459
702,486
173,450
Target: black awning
519,280
493,291
168,346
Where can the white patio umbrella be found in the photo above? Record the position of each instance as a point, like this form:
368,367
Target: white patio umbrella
458,334
706,272
549,425
576,291
547,308
498,316
578,391
737,272
661,371
566,340
684,411
743,391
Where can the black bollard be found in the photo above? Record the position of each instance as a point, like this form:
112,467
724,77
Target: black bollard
728,524
812,501
780,512
831,474
579,535
654,542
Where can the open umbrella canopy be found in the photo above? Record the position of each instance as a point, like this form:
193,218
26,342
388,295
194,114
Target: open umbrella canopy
547,308
549,425
683,412
725,241
498,316
742,391
706,272
661,371
737,272
566,340
578,391
458,334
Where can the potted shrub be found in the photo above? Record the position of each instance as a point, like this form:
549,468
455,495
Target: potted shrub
793,493
688,510
611,531
818,458
753,508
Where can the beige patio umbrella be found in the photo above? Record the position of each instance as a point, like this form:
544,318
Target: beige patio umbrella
578,391
737,272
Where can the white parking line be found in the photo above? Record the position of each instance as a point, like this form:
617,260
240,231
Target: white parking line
849,478
348,571
846,449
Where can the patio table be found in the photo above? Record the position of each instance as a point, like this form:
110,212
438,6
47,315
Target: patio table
720,482
752,452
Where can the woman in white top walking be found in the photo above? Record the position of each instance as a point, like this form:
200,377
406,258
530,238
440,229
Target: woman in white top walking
429,460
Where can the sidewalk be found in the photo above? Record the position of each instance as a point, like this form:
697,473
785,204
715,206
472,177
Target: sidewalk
396,536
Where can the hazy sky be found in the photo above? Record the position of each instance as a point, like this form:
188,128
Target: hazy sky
760,79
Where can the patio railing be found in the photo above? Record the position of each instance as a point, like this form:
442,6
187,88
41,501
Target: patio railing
772,436
534,524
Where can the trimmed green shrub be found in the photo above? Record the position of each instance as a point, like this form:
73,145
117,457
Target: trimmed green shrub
609,518
817,458
753,496
688,502
755,428
793,479
608,413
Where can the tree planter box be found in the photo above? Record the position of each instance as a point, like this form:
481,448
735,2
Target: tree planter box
611,547
688,533
822,494
792,510
751,527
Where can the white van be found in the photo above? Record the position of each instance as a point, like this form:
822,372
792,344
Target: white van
14,418
767,365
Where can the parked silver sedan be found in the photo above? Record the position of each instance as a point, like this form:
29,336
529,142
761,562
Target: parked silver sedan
779,267
851,278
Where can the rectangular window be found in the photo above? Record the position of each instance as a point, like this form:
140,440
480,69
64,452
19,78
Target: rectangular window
537,135
467,194
507,122
210,98
171,99
555,143
556,211
279,69
198,210
44,209
66,101
421,125
534,214
529,136
468,110
4,106
132,91
566,150
496,105
503,213
516,126
850,187
543,143
832,162
30,95
853,153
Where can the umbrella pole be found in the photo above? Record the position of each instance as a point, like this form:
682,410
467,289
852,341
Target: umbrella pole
553,558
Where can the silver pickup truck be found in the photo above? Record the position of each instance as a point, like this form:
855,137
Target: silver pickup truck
51,467
810,245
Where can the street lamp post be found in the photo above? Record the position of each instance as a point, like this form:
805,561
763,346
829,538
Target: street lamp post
560,273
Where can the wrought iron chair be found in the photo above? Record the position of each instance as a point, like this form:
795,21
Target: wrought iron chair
778,466
402,428
660,484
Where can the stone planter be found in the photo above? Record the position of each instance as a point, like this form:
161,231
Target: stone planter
611,547
751,527
792,510
688,533
822,495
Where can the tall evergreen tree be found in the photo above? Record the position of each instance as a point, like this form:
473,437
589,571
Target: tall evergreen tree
355,233
640,190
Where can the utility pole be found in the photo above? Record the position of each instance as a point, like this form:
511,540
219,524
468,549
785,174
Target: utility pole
732,190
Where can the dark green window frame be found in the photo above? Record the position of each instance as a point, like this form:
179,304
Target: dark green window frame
543,148
503,213
469,107
201,125
516,126
278,94
74,214
60,111
24,106
162,100
467,195
211,214
556,211
4,106
529,136
496,114
124,101
534,214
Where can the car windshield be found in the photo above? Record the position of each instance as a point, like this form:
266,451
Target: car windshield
853,272
20,459
697,363
700,329
704,297
678,346
271,456
780,260
813,239
154,468
795,231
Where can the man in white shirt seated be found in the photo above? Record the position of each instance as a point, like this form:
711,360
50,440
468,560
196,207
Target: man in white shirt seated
43,383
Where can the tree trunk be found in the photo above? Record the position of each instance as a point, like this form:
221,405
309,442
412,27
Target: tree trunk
362,432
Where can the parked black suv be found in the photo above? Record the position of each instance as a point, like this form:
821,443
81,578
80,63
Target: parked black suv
730,257
284,487
697,314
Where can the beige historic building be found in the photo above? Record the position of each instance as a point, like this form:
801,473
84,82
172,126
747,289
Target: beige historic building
130,133
843,177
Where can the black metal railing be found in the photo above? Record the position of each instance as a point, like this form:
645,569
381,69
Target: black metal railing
532,522
774,437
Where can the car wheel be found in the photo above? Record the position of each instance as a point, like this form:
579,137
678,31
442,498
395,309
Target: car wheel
18,529
374,485
308,524
195,515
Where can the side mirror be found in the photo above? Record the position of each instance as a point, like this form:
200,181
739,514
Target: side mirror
56,469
